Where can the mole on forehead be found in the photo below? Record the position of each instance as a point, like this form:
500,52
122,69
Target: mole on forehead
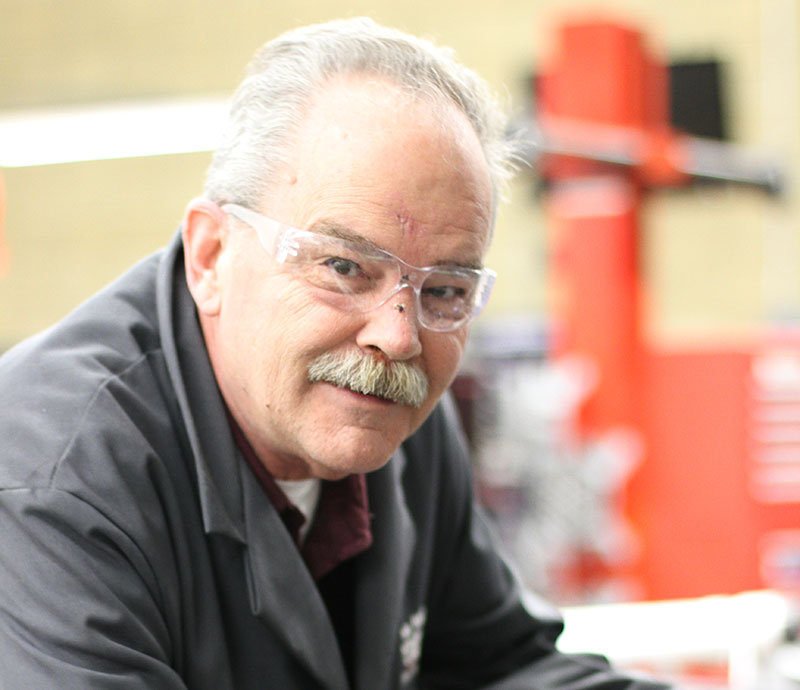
342,232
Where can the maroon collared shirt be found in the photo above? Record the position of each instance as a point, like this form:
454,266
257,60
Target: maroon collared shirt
341,526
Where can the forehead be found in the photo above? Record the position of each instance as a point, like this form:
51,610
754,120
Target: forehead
378,162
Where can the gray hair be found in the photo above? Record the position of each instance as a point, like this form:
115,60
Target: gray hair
269,105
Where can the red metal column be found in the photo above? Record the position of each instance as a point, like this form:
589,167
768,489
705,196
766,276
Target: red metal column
603,92
601,79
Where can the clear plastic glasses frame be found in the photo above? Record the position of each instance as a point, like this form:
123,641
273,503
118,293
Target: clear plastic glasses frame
358,278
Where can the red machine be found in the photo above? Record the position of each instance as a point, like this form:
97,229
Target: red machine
715,502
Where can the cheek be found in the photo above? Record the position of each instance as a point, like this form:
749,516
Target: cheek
257,330
280,327
443,353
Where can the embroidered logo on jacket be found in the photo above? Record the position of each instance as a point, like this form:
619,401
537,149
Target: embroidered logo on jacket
411,643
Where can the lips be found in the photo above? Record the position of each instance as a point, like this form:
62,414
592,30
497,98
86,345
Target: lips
366,394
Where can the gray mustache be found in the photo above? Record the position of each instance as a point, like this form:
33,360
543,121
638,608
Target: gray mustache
400,382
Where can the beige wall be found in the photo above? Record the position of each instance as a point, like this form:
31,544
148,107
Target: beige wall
717,262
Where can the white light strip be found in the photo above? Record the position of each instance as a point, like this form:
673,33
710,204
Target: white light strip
670,634
114,130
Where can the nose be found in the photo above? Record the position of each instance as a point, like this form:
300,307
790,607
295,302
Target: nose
393,328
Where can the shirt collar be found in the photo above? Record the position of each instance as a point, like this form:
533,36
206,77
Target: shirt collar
341,528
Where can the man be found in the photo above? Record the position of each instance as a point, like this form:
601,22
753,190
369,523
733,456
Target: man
235,467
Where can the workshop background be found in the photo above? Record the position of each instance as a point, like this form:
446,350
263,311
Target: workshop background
697,491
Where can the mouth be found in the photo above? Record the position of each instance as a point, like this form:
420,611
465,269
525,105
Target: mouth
360,395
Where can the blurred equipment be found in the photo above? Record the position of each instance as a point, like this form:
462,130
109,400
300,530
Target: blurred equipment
605,102
671,473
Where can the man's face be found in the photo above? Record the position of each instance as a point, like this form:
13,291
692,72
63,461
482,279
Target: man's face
404,175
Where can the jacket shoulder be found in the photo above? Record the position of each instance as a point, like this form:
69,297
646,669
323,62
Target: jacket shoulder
104,357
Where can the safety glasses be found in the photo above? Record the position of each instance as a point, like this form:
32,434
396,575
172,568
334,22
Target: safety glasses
357,278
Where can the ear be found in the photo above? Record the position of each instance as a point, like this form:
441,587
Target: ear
203,232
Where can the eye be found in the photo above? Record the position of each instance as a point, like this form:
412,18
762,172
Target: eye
343,267
445,292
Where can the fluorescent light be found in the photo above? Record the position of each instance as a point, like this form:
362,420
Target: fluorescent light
68,134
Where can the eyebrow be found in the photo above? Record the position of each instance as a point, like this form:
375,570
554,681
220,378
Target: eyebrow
341,232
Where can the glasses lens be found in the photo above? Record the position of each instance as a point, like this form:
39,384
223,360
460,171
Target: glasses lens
447,298
348,276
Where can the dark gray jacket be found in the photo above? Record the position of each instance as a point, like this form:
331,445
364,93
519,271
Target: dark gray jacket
137,550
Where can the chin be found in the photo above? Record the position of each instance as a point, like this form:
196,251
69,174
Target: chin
332,465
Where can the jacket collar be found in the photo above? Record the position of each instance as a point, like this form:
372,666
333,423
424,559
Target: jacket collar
193,381
383,577
281,590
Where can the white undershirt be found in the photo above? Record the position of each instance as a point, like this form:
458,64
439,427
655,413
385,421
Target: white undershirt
304,494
